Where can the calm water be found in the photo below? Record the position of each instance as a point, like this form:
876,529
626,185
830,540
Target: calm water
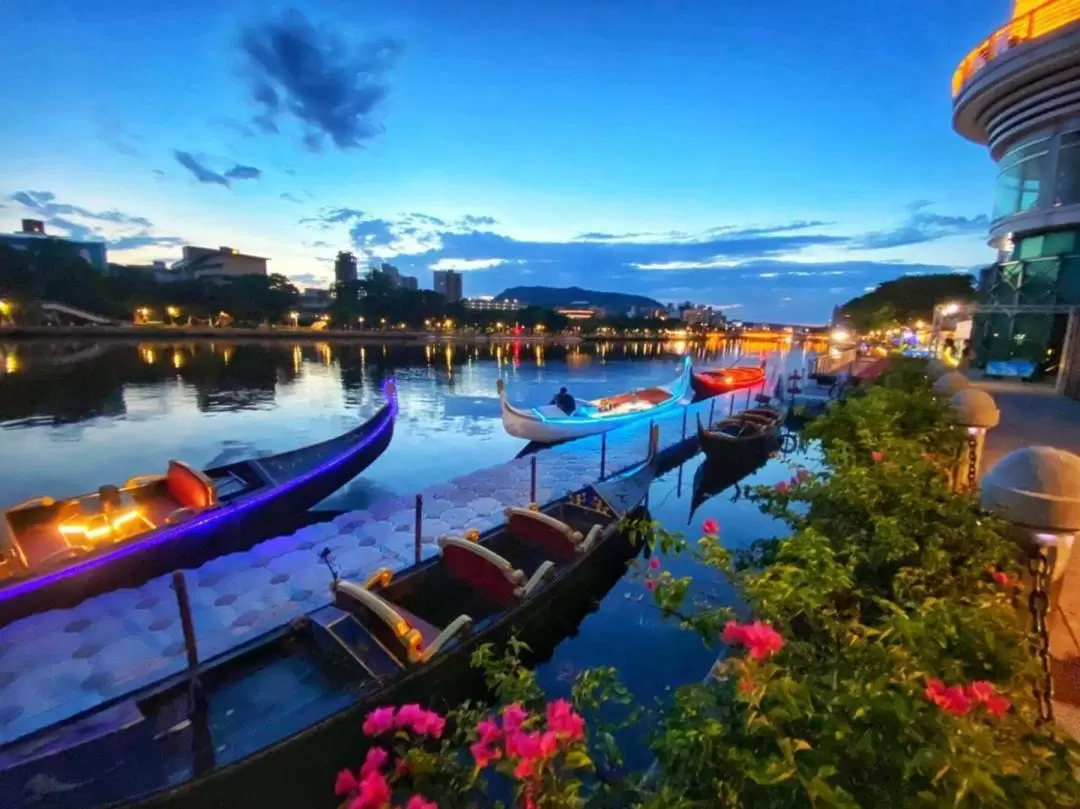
76,415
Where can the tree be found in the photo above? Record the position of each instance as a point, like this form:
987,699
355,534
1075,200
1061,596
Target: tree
906,299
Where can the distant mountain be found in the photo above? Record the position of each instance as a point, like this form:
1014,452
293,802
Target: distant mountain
551,297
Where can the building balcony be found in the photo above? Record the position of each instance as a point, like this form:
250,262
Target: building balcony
1034,24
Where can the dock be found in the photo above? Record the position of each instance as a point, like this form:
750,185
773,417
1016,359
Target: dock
62,664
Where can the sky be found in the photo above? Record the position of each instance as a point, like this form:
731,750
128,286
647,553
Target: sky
771,158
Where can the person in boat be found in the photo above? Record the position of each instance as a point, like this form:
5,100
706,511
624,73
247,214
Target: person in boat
564,401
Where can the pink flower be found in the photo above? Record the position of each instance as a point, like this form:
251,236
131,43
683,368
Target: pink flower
650,585
654,564
877,457
955,701
374,792
345,784
374,760
981,690
488,731
430,725
526,768
710,527
523,745
484,753
1003,579
565,721
514,716
549,744
419,802
802,476
761,639
935,692
997,706
379,721
408,716
402,768
782,487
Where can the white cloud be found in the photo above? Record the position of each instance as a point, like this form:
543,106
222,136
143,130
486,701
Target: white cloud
465,264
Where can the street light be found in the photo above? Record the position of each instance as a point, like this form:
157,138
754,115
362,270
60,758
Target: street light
295,318
361,319
173,312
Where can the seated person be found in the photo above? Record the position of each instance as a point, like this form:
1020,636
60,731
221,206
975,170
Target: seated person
564,401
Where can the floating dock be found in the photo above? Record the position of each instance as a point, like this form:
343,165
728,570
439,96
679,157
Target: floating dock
61,664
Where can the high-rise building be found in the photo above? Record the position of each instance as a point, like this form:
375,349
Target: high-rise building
448,284
33,239
1018,93
345,268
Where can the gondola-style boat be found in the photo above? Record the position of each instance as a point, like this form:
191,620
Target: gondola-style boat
278,718
56,553
725,380
549,424
753,432
713,476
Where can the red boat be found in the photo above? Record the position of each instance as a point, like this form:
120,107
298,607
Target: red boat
725,380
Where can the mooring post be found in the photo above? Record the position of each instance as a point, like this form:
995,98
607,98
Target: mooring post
712,407
532,479
195,696
603,454
684,422
731,403
649,447
419,524
748,397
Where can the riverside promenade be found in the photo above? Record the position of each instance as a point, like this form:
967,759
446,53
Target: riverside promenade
1035,415
61,664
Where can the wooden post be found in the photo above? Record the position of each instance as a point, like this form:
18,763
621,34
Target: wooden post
712,407
649,443
684,422
532,479
603,454
419,524
748,397
195,695
731,403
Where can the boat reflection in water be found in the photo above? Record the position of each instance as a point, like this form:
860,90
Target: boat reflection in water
277,719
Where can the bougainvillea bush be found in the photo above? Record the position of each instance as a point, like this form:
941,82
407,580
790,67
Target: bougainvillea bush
886,662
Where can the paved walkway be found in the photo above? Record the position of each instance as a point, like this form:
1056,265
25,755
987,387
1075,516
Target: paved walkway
58,664
1034,415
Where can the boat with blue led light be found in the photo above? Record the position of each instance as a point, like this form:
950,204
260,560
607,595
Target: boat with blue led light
549,424
57,552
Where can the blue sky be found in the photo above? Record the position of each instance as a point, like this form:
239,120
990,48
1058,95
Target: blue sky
774,158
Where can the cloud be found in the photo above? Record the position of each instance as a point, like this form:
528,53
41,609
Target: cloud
159,174
198,170
332,88
118,138
232,124
144,240
919,204
290,198
332,216
308,279
921,227
239,172
477,221
462,265
44,203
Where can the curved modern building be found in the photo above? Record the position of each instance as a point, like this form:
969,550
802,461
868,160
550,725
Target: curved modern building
1018,93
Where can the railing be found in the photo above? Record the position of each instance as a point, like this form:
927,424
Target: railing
1034,24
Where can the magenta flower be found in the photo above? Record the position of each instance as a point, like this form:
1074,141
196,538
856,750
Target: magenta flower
374,761
374,792
761,639
523,745
484,753
782,487
565,721
419,802
654,564
409,716
345,784
488,731
379,721
1003,579
997,706
650,585
951,699
514,716
710,527
803,475
877,457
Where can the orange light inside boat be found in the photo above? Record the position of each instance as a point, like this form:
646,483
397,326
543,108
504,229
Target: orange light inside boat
728,379
108,527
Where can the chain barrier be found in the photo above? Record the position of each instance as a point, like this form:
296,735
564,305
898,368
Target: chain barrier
1039,606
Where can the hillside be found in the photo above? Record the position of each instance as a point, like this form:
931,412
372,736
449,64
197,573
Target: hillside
906,299
550,297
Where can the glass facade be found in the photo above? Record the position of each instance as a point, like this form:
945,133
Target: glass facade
1043,172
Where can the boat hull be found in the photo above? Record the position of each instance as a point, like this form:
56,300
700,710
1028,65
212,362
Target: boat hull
233,526
721,448
715,383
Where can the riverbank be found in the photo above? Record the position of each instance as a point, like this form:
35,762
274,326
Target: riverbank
314,335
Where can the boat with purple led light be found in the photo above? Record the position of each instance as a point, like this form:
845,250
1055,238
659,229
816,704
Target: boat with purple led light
57,552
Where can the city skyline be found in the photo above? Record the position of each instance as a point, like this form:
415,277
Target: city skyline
768,161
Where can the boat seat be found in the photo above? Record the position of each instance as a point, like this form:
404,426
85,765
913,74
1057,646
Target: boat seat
554,536
189,487
482,569
405,635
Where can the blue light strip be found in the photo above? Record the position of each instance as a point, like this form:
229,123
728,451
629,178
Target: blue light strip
197,524
679,391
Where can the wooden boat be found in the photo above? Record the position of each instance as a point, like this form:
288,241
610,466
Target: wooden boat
753,432
725,380
277,719
56,553
549,424
713,476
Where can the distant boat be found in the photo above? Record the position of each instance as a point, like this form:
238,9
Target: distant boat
56,553
548,424
284,713
725,380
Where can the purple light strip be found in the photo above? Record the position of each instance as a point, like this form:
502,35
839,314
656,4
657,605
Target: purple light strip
201,523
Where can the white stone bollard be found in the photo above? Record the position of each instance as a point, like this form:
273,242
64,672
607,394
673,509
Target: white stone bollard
1037,489
950,383
977,411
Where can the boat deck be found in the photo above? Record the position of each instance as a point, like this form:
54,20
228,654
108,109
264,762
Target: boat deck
59,664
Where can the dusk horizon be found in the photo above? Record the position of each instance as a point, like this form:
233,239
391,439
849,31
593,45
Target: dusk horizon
741,159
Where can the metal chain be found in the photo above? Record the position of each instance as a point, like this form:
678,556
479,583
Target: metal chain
1039,606
972,471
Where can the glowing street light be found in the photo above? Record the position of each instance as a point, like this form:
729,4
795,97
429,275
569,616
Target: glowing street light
173,312
5,308
361,319
295,316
